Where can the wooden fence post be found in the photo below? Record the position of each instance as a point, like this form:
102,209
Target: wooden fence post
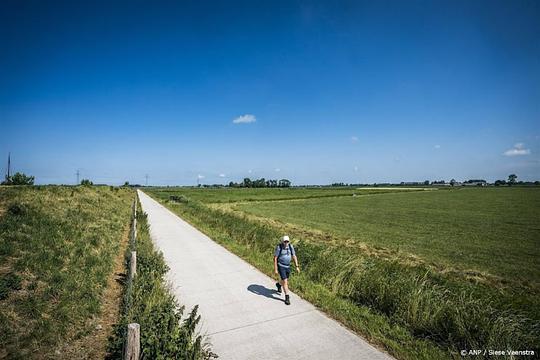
133,345
133,265
134,229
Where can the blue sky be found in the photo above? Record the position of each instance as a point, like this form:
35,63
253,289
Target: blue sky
350,91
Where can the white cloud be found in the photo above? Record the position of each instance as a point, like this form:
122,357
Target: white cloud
250,171
245,119
356,168
437,146
517,150
222,175
277,169
200,176
354,139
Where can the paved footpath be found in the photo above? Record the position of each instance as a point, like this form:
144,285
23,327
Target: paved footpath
242,314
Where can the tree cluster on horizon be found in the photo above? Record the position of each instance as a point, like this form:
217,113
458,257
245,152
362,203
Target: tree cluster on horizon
262,183
86,182
18,179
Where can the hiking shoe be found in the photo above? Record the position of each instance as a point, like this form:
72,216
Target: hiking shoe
278,285
287,300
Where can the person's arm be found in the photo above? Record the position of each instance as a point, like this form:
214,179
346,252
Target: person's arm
296,263
275,264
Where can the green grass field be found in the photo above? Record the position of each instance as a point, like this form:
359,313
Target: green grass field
57,251
422,274
494,230
230,195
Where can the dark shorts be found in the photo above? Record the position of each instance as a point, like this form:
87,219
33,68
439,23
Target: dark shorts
284,272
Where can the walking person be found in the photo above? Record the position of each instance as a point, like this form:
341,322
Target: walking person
282,265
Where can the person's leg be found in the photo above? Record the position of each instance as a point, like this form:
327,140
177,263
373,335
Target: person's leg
287,275
284,278
278,284
281,275
286,287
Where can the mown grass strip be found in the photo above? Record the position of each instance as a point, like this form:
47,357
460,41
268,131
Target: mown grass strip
165,332
410,311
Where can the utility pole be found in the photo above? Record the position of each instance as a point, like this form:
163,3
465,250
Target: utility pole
8,166
78,174
146,176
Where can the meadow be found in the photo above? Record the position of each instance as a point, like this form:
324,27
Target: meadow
231,195
421,274
493,230
58,250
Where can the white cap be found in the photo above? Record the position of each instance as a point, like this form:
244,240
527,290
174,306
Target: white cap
285,238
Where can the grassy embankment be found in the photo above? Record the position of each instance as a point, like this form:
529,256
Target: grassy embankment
58,247
398,268
149,302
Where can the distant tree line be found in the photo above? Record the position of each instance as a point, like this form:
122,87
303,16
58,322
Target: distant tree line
23,179
512,180
261,183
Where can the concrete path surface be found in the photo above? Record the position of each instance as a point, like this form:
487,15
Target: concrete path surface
242,313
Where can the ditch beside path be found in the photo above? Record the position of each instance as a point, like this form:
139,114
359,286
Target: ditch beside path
241,312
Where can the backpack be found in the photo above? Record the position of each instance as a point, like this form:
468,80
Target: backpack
291,249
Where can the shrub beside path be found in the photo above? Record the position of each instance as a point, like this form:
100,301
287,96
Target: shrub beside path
242,314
